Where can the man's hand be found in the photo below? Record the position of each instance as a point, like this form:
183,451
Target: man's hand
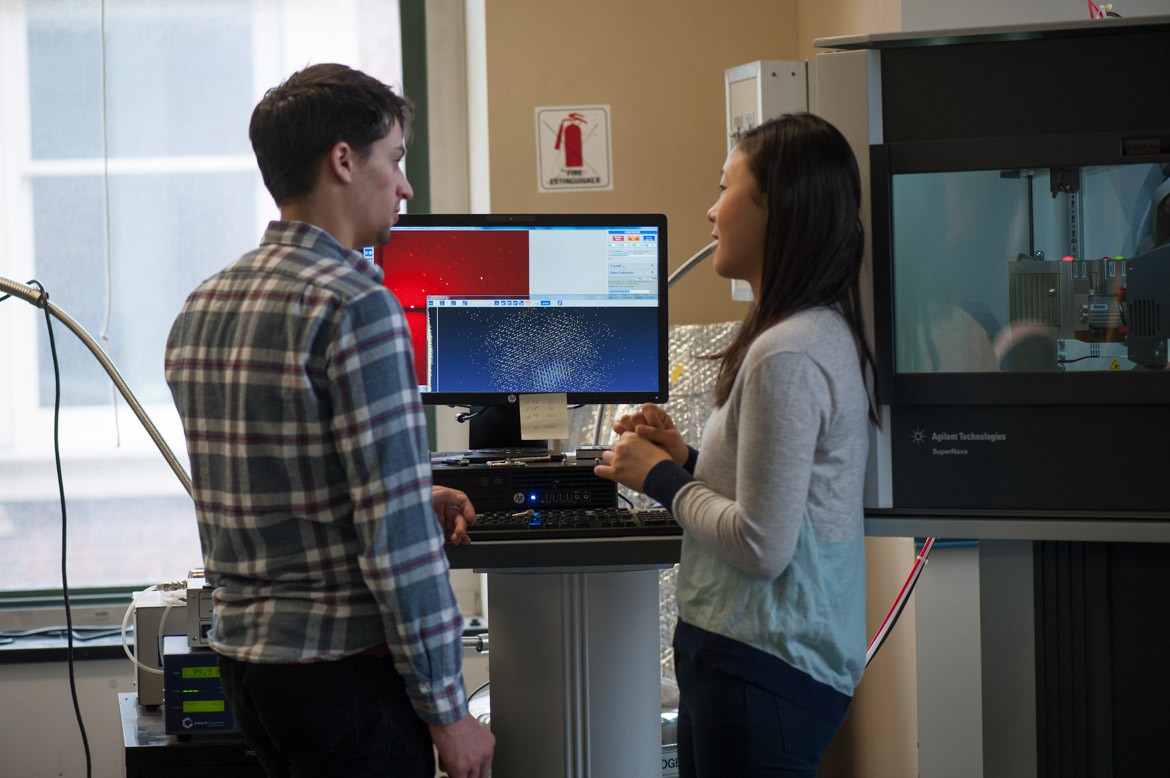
465,748
453,511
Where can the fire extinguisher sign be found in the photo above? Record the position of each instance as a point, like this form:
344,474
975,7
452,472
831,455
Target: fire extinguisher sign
573,148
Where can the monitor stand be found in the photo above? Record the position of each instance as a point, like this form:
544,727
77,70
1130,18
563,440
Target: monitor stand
494,433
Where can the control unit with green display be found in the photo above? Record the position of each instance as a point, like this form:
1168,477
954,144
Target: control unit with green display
193,691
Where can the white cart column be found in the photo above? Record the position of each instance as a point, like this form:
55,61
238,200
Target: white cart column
575,674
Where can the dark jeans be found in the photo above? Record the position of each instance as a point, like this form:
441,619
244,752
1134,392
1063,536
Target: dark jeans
347,718
727,726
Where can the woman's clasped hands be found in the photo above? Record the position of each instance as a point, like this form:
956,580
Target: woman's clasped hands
646,438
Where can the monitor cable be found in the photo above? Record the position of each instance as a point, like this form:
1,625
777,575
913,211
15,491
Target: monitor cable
471,412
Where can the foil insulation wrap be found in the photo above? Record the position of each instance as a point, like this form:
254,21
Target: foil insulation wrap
692,383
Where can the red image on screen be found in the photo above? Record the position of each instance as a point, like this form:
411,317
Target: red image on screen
417,263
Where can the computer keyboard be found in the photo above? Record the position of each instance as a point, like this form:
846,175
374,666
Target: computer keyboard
573,523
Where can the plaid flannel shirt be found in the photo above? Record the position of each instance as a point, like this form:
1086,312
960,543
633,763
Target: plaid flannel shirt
293,374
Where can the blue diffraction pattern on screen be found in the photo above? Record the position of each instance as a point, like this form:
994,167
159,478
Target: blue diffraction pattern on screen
543,349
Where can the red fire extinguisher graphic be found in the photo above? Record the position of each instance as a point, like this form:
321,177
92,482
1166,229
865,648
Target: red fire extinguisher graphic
570,133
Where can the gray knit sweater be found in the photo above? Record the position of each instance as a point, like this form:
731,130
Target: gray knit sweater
773,553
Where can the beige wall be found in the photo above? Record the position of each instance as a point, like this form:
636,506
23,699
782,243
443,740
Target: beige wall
834,18
659,65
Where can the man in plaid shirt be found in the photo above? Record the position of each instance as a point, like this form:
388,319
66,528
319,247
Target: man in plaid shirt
337,630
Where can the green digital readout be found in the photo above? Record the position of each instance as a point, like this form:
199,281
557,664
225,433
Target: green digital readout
203,706
201,672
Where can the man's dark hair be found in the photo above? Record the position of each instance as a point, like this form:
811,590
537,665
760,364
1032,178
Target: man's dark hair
314,109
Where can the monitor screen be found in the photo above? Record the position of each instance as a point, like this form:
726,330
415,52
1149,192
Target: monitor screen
504,305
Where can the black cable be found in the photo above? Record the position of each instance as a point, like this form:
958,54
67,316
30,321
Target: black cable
471,413
893,622
64,530
478,689
1081,359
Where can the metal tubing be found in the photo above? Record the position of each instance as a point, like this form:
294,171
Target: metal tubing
41,300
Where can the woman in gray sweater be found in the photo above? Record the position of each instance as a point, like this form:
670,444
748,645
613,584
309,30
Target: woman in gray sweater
770,641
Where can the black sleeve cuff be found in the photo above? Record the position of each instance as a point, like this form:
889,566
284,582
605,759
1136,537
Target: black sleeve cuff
692,460
664,480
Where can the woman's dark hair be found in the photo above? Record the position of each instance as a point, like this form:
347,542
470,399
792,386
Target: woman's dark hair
814,240
314,109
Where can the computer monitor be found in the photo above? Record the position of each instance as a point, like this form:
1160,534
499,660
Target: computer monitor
505,305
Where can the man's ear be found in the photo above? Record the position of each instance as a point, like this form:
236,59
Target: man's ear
340,162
